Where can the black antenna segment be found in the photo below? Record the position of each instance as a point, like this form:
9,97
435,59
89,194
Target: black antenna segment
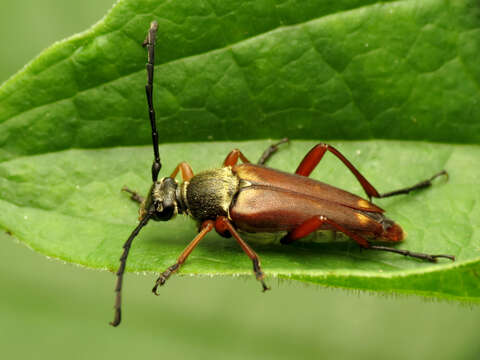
150,44
123,262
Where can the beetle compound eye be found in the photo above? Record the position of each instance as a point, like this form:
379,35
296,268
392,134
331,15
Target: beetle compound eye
166,212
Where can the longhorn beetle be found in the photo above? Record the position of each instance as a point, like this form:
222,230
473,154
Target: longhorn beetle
254,198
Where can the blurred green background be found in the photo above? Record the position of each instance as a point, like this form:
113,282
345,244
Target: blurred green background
54,310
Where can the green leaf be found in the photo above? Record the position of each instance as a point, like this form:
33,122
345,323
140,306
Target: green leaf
74,130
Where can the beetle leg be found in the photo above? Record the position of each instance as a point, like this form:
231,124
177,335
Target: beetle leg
185,169
421,185
206,227
222,224
316,223
272,149
135,196
232,158
431,258
311,160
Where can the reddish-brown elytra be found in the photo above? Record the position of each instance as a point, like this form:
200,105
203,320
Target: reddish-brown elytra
255,198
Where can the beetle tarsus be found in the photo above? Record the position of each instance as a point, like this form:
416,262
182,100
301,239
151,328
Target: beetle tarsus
118,318
272,149
160,281
205,228
421,185
441,173
265,287
135,196
164,277
450,257
155,287
422,256
259,275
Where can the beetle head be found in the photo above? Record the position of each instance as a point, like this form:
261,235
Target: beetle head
161,200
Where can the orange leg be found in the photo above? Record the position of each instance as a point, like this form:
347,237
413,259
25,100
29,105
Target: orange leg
185,169
316,223
233,156
311,160
222,225
206,227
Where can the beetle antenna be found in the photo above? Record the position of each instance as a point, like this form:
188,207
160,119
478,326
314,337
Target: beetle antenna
150,44
123,261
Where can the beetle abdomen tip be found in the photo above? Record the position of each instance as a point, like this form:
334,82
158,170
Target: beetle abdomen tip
394,233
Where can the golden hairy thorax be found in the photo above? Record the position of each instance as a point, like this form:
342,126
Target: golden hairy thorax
210,193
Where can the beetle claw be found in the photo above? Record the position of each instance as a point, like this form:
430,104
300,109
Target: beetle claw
154,290
259,275
160,281
450,257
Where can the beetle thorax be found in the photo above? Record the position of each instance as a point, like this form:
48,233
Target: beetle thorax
210,193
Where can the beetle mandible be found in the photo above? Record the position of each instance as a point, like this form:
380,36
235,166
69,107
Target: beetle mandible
255,198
